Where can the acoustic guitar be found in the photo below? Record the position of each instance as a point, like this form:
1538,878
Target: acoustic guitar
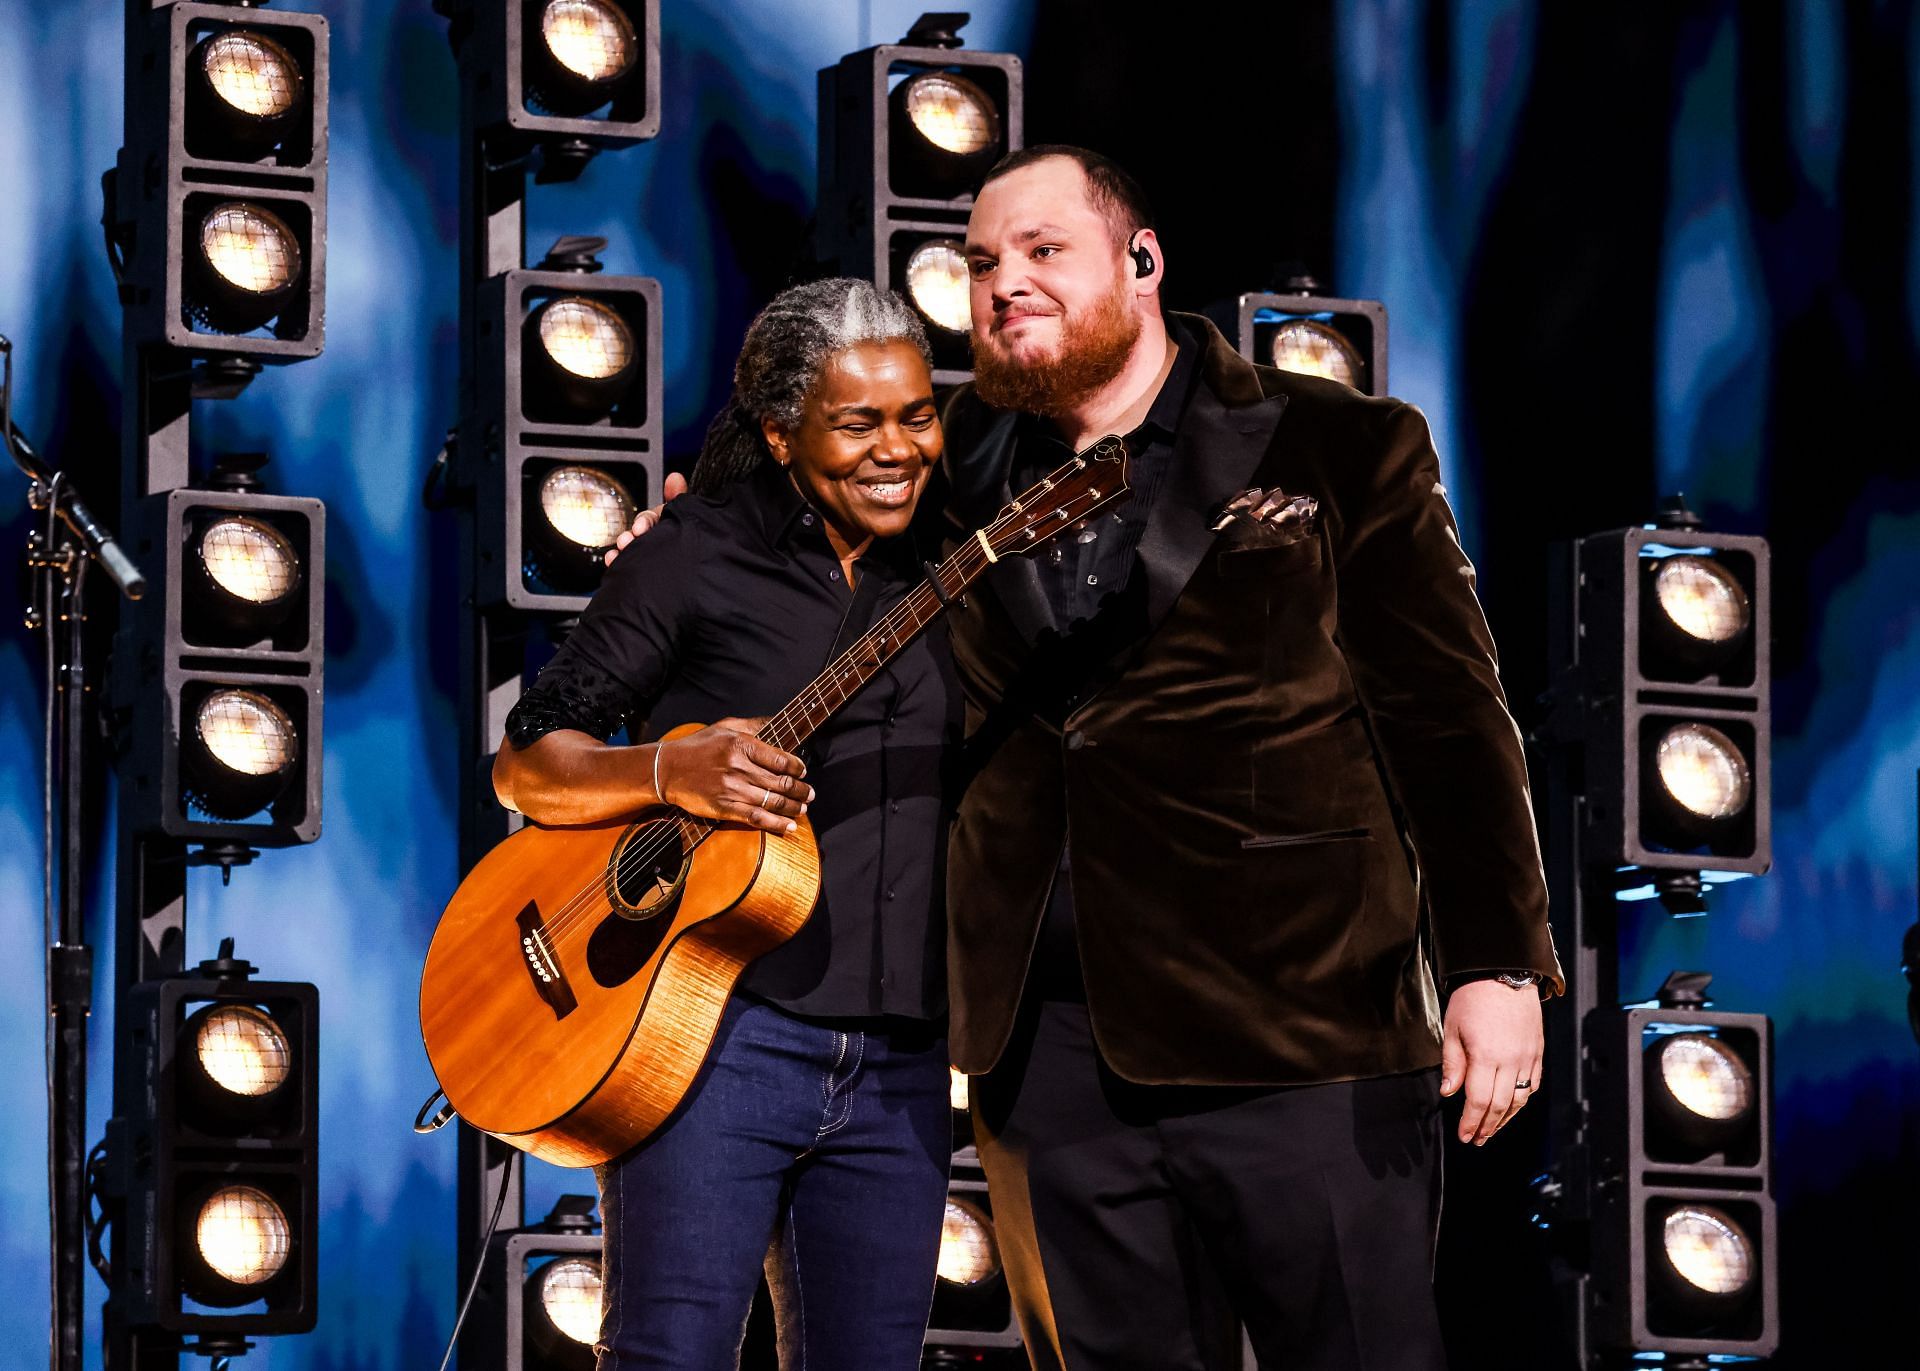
578,975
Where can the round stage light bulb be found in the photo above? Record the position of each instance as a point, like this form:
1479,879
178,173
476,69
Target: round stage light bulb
1708,1250
1704,771
252,73
251,248
243,1050
246,732
1706,1076
1702,598
957,1089
937,284
249,559
968,1254
1312,348
953,114
243,1235
590,38
570,1292
585,506
586,337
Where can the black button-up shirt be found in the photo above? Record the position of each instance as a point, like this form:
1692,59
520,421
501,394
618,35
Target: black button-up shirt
1079,571
1084,582
730,608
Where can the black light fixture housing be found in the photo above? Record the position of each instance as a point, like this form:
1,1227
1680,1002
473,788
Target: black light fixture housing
1300,328
180,1149
547,418
978,1314
1653,1156
581,354
561,78
886,188
244,572
516,1266
945,132
238,164
1627,689
199,636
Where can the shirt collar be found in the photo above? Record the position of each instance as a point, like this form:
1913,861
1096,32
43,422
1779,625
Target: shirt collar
1163,418
788,518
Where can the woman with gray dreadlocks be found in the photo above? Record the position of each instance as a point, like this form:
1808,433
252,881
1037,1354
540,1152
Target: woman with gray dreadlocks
816,1140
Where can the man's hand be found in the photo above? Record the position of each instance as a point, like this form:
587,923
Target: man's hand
674,487
1492,1040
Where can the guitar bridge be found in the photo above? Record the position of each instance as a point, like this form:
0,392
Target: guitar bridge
536,951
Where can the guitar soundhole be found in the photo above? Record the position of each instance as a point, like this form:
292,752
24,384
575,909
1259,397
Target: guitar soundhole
649,870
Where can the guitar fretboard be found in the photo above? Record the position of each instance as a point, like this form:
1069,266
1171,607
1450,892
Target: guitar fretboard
863,659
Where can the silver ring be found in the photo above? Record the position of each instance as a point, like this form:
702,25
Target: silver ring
1523,1085
764,799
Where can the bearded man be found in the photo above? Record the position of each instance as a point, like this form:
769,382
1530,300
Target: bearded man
1245,803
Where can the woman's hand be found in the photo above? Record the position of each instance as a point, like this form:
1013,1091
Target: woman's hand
725,772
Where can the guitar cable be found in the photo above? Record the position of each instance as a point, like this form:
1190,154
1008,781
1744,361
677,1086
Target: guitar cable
479,1266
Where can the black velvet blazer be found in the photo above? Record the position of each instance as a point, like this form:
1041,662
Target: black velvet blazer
1290,782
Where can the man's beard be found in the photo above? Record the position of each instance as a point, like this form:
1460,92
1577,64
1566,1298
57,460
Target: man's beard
1093,350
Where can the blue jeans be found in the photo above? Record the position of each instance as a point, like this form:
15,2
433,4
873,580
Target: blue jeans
815,1150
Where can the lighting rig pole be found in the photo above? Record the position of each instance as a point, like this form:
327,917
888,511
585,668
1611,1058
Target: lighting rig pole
215,221
58,559
557,444
1657,762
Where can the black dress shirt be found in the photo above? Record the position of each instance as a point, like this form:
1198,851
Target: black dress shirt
1086,584
729,608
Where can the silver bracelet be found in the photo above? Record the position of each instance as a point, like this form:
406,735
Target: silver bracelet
658,793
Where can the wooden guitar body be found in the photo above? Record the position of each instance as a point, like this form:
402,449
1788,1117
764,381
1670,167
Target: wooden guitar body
577,977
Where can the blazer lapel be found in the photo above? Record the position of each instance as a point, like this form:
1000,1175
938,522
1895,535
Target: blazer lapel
1214,458
981,491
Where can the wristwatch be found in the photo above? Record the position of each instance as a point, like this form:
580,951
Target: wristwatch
1517,980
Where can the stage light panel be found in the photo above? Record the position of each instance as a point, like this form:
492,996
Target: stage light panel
593,40
1299,330
586,338
937,284
247,733
246,266
945,131
1705,1076
241,1050
1703,772
1702,599
968,1252
249,560
1707,1250
250,74
570,1293
240,754
583,357
1312,348
950,112
579,58
242,1235
588,508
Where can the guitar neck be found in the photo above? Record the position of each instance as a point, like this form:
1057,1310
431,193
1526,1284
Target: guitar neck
853,668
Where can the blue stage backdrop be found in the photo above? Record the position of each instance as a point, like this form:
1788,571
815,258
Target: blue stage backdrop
1766,290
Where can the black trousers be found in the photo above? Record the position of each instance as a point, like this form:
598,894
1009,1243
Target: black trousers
1128,1215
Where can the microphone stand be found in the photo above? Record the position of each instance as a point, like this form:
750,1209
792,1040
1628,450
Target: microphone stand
58,556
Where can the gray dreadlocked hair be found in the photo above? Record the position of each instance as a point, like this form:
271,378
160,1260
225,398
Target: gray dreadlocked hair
786,346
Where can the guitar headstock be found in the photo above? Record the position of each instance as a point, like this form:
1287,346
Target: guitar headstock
1082,488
